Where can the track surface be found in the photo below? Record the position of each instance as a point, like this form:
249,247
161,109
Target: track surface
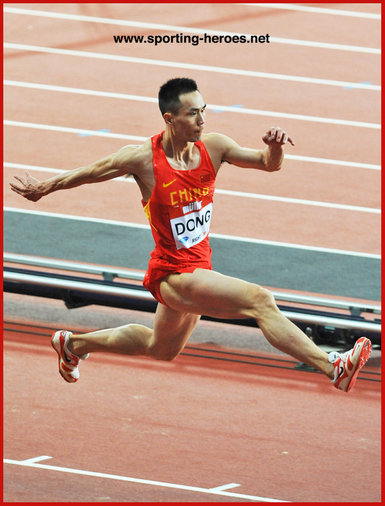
278,434
194,422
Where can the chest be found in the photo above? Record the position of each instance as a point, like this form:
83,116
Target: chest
191,163
180,188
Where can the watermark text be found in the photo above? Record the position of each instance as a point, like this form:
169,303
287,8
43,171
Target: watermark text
194,40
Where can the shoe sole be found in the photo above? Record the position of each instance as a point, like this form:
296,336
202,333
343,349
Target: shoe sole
362,359
56,346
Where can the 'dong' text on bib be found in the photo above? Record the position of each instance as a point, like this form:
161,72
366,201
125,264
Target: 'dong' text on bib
191,228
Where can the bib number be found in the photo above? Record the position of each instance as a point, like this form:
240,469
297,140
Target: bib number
190,229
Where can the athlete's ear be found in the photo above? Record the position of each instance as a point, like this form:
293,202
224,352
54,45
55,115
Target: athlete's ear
168,118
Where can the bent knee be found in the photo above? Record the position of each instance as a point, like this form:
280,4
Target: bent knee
167,356
164,354
262,301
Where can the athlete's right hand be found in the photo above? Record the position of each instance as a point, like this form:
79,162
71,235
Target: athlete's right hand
29,187
275,135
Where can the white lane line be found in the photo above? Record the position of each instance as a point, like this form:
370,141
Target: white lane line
317,10
222,108
39,168
69,130
230,193
33,460
225,487
190,66
138,138
184,29
249,240
141,481
330,161
288,200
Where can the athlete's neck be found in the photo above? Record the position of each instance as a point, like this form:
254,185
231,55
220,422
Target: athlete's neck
180,151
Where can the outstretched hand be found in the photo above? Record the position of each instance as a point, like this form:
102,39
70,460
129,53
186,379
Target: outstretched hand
276,135
28,188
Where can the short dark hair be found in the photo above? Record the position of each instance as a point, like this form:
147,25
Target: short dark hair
169,92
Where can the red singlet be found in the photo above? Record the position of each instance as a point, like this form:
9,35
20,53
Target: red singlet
179,212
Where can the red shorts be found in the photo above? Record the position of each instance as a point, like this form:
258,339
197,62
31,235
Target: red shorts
159,268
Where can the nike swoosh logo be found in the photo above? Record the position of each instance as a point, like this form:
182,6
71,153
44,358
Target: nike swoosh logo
341,371
168,184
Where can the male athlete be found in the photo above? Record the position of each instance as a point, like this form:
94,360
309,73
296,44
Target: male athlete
176,172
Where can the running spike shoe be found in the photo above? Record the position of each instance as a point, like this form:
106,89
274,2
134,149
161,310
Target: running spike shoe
68,362
347,365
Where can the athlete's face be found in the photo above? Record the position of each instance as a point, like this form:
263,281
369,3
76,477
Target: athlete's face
187,124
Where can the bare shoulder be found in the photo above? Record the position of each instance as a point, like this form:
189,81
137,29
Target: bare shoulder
217,140
217,146
137,158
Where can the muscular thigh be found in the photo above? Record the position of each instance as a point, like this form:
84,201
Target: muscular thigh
212,294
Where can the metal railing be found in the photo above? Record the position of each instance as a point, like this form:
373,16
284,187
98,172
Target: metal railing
322,318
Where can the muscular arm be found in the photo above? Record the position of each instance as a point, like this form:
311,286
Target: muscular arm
268,159
122,162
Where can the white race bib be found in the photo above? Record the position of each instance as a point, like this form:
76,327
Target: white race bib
191,228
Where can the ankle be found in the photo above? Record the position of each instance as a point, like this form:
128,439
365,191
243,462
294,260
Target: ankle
330,372
333,356
75,346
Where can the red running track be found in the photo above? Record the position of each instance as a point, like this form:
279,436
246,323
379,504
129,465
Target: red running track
275,433
298,223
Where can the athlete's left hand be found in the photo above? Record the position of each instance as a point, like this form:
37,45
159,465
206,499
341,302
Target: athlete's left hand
276,135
